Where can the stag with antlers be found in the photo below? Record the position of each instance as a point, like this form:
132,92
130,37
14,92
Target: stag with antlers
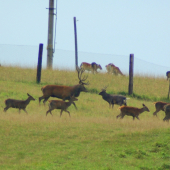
113,99
65,92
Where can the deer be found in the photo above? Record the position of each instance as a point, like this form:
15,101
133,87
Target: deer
168,74
91,67
111,68
131,111
159,106
19,104
113,99
65,92
59,104
166,108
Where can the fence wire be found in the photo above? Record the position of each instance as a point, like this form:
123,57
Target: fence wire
27,56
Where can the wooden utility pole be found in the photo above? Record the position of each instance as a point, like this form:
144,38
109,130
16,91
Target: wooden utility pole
50,35
76,50
131,63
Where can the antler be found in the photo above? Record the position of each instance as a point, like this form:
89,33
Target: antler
80,72
104,89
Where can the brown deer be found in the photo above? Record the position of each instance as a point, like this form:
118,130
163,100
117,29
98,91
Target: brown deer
131,111
59,104
91,67
64,92
167,112
159,106
19,104
111,68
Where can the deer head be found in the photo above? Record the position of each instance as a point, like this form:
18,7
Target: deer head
30,97
103,91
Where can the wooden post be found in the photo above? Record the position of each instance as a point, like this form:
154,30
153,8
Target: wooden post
131,63
50,35
169,89
75,34
39,63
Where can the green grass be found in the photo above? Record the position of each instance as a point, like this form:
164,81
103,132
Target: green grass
92,138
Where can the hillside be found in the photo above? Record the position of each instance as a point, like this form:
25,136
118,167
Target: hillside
92,138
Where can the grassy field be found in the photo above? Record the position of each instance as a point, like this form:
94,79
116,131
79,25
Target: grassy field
92,138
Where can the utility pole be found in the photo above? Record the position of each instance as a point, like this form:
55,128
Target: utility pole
131,64
75,35
50,35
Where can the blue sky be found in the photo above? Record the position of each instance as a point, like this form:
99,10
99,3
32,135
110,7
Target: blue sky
116,27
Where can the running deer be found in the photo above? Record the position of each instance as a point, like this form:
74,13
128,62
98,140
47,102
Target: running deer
131,111
64,92
113,99
167,112
159,106
19,104
59,104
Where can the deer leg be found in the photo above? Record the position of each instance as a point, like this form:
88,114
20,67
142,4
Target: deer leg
25,111
137,117
6,108
74,105
166,118
122,116
67,112
46,98
49,111
61,113
119,115
40,98
19,110
110,103
155,113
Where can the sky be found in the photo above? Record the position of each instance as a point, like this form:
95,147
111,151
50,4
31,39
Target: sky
106,31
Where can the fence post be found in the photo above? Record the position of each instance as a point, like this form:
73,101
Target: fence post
131,63
169,89
75,34
39,63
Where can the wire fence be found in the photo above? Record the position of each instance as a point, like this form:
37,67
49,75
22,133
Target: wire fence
27,56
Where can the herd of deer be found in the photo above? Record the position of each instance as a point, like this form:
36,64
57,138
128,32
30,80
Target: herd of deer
111,68
71,92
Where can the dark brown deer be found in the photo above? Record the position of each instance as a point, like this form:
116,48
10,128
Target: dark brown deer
113,99
19,104
131,111
64,92
159,106
167,112
59,104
